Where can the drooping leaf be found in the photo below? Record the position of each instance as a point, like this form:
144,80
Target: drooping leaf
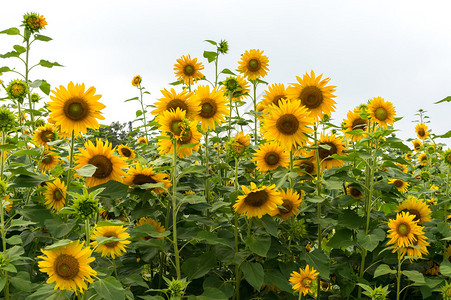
196,267
253,273
109,289
48,64
382,270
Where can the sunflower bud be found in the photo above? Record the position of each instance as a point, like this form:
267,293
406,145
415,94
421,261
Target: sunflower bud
86,206
33,22
378,293
17,90
446,291
425,175
39,123
7,120
176,287
35,98
223,47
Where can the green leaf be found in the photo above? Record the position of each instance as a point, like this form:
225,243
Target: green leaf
318,260
101,240
11,31
212,238
212,42
371,240
20,222
21,281
445,268
36,83
138,113
58,228
109,288
315,199
270,225
29,181
43,38
48,292
342,238
14,240
19,49
259,244
350,219
275,277
148,230
87,170
4,69
208,294
414,276
382,270
447,99
193,199
333,184
10,54
254,274
112,190
194,170
132,99
59,244
45,87
196,267
211,56
445,135
227,71
47,64
2,282
26,152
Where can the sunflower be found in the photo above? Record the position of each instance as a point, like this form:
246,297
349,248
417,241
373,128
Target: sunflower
382,112
288,124
420,248
111,249
126,152
408,156
188,70
270,156
290,205
238,145
253,64
136,80
238,87
355,191
416,207
74,109
422,131
403,230
307,166
403,168
303,280
417,145
399,184
423,159
139,176
109,166
173,100
329,145
34,22
68,266
273,95
313,94
258,201
213,107
354,122
142,140
45,134
55,193
157,225
49,160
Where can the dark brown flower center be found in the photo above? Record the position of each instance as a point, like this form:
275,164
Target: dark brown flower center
359,124
421,132
66,266
381,114
256,199
103,164
253,65
311,97
48,159
307,166
57,195
287,207
76,109
126,152
142,179
208,108
355,192
173,104
403,229
287,124
189,70
110,244
186,139
325,153
416,213
47,136
176,127
276,99
136,80
272,158
398,183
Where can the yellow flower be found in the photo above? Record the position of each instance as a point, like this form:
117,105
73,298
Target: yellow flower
157,225
422,131
253,64
403,230
354,191
55,193
329,145
188,70
417,208
111,249
213,107
142,140
238,87
288,124
173,100
273,95
417,145
140,176
109,166
399,184
420,248
136,80
34,22
314,94
257,201
307,165
74,109
126,152
303,280
68,266
49,160
270,156
239,143
354,122
291,202
44,135
382,112
403,168
408,156
423,159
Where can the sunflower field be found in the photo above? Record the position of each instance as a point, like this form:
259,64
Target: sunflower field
224,195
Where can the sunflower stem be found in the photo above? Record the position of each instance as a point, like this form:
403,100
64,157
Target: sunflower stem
143,111
291,167
174,209
71,163
114,268
27,52
2,221
318,192
254,83
230,114
3,155
235,229
87,228
398,277
207,165
446,194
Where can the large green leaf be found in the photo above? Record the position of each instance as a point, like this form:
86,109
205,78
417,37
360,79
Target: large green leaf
445,268
371,240
109,289
208,294
341,238
253,273
259,245
382,270
414,276
196,267
318,260
11,31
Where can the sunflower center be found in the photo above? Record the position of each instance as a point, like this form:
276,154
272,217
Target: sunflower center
126,152
288,124
253,65
232,84
176,127
256,199
325,153
186,138
272,158
287,207
403,229
421,132
57,195
47,159
359,124
208,109
381,114
355,192
76,109
142,179
173,104
306,282
276,99
103,164
66,266
137,80
398,183
416,213
47,136
17,89
110,244
311,97
307,166
189,70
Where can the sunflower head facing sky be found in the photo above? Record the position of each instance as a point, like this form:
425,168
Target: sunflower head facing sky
270,156
136,81
74,109
314,94
421,131
45,134
213,107
382,112
303,280
239,144
273,95
236,87
49,160
126,152
111,249
55,194
68,266
139,176
173,100
188,70
403,230
355,121
257,202
253,64
423,159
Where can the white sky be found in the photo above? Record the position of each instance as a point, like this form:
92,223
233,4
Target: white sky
399,50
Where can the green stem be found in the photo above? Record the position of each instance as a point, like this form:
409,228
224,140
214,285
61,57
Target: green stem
174,209
230,115
445,207
26,80
87,230
235,229
142,109
255,110
291,167
318,192
71,163
2,155
2,220
207,164
114,268
398,277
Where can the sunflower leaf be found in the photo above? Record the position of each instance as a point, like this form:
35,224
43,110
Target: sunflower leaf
4,69
87,170
227,71
47,64
211,42
43,38
211,56
11,31
45,87
414,276
109,288
59,244
445,268
447,99
382,270
371,240
19,49
253,273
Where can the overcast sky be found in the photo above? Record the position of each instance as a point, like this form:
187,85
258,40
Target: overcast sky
399,50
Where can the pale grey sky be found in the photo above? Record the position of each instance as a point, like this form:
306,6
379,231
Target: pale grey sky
399,50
